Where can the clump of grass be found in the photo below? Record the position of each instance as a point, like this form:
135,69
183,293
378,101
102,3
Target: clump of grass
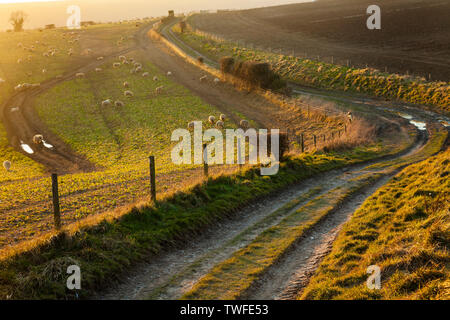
254,73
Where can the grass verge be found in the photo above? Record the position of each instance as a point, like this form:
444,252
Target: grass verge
404,228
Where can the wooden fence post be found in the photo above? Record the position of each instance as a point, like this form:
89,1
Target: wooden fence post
302,142
315,141
56,209
152,179
205,160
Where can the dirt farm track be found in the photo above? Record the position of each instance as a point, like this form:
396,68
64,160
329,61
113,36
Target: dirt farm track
414,36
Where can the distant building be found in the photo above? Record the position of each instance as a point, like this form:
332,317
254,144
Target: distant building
171,13
50,26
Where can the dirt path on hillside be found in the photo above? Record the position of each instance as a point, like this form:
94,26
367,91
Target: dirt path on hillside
174,272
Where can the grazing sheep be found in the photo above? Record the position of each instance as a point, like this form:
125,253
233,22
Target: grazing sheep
119,103
155,78
38,139
223,117
137,64
80,75
7,165
100,58
145,74
220,124
216,80
159,90
44,70
98,69
131,60
212,119
19,61
138,69
14,109
116,64
2,80
169,73
18,87
121,58
126,85
350,116
202,79
106,103
128,93
191,125
244,124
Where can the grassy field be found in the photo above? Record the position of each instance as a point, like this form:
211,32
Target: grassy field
404,229
329,76
28,48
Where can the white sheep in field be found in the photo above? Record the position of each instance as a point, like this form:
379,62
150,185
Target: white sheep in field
14,109
106,103
80,75
125,62
131,60
137,64
159,90
138,69
128,93
116,64
203,79
100,58
220,124
169,73
18,87
145,74
126,84
212,119
19,61
223,117
38,139
216,80
7,165
98,69
2,80
244,124
119,103
44,70
191,125
155,78
121,58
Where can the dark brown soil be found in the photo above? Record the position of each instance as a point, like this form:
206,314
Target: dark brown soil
414,36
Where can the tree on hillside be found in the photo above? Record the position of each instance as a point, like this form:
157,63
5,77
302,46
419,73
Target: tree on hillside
17,19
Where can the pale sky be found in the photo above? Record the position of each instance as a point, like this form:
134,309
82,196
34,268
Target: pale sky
42,12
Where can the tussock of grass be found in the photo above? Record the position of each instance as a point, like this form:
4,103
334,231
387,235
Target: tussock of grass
404,229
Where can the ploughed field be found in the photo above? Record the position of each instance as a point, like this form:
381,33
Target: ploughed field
414,35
